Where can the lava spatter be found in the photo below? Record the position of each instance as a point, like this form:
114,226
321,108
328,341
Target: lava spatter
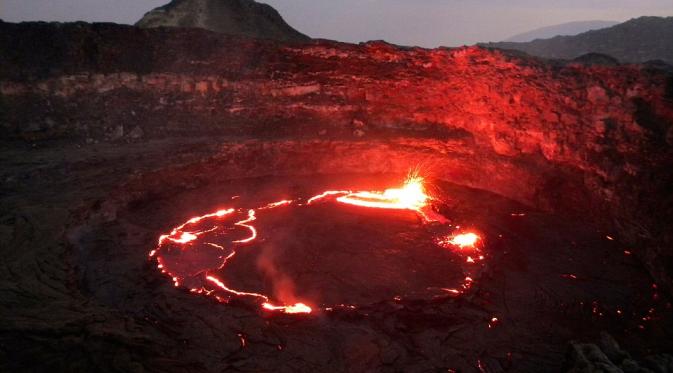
190,256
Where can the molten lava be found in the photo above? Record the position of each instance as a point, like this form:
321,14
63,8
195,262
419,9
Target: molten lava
410,197
197,271
464,240
296,308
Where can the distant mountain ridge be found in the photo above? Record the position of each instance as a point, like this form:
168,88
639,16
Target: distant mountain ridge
564,29
635,41
234,17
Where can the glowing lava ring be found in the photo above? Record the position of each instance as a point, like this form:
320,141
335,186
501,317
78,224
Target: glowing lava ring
192,252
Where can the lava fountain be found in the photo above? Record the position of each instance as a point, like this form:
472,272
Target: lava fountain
196,253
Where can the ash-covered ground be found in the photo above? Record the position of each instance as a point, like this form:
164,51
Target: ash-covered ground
79,292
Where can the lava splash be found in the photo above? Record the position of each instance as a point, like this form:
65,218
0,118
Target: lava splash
195,253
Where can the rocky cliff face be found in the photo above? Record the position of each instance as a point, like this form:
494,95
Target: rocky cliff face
635,41
233,17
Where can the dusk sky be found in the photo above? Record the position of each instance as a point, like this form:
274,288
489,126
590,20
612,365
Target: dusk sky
427,23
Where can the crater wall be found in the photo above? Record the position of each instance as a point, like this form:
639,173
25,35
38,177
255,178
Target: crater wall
593,141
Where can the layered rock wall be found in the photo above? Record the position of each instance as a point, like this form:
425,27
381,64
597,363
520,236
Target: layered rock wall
595,141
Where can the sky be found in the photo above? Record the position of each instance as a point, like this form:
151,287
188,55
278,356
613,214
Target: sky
426,23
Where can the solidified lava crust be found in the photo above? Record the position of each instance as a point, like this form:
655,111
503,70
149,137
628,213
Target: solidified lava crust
338,249
539,270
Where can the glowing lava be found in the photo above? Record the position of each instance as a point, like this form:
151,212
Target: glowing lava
189,257
410,197
296,308
464,240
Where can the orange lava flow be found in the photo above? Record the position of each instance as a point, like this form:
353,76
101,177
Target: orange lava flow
194,235
464,240
295,308
465,243
410,197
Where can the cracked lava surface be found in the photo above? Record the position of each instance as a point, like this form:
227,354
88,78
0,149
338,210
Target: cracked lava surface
397,229
546,279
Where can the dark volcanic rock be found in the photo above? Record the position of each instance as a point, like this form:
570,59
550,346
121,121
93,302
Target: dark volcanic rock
606,356
233,17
